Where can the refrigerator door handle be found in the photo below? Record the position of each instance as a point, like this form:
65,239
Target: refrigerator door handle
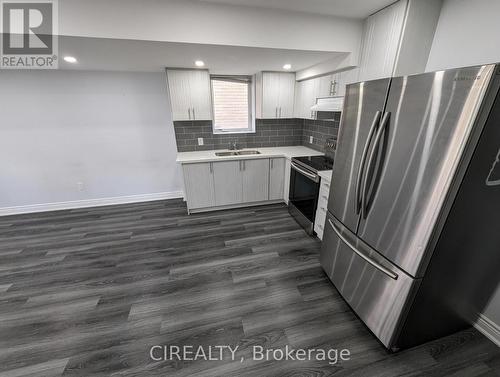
376,120
369,260
378,137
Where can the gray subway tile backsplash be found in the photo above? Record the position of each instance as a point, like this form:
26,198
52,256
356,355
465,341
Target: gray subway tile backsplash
268,133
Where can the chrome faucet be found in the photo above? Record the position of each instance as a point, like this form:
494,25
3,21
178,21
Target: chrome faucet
233,146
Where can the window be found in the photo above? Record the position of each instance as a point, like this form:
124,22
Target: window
232,101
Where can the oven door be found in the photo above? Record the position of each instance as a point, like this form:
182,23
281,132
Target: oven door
303,198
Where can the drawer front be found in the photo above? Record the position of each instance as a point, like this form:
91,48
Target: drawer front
320,221
323,195
322,207
325,185
319,233
374,288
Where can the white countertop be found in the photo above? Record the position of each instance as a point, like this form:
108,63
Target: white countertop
326,174
287,152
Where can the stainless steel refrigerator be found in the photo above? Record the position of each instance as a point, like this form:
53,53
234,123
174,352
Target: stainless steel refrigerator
412,235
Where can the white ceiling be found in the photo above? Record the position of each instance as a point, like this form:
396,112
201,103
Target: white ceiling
133,55
340,8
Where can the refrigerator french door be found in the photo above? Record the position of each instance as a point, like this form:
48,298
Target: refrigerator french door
400,146
363,106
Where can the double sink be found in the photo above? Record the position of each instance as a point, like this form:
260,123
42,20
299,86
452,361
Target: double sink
237,153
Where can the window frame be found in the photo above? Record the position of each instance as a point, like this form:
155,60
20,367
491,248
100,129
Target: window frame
251,103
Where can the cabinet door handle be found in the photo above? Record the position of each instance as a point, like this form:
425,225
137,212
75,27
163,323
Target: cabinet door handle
194,116
324,197
244,165
211,167
272,163
312,114
280,112
276,112
189,113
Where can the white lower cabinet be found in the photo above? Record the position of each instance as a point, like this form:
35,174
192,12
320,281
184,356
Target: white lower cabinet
199,185
219,184
255,180
276,178
227,182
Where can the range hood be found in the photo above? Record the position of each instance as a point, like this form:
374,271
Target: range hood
328,104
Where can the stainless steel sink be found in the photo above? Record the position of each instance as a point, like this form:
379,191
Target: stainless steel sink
236,153
226,153
242,153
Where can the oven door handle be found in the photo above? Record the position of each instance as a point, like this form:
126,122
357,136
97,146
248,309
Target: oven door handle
311,176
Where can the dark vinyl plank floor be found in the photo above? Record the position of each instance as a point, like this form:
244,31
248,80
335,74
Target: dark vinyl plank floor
87,292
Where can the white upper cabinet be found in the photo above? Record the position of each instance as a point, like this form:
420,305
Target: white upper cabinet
286,95
381,40
397,40
190,94
201,97
308,91
275,95
305,98
325,86
270,95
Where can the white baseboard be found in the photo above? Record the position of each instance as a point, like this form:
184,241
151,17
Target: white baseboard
489,329
90,203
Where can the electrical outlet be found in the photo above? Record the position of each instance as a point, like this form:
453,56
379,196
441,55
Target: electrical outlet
80,186
310,139
200,141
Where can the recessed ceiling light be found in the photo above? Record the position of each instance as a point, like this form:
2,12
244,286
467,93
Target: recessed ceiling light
199,63
287,66
70,59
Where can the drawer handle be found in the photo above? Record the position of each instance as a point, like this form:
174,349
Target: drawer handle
324,197
375,264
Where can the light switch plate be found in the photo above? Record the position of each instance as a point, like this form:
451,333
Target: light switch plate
200,141
310,139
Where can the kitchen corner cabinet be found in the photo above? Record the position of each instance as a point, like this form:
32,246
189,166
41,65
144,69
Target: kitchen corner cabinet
190,95
276,178
275,93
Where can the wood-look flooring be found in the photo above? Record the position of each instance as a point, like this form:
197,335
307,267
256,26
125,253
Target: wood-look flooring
87,292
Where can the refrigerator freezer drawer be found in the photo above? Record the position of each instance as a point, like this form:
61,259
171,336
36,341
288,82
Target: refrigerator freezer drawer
376,290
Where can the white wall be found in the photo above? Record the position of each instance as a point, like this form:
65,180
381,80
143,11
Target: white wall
468,33
111,131
201,22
